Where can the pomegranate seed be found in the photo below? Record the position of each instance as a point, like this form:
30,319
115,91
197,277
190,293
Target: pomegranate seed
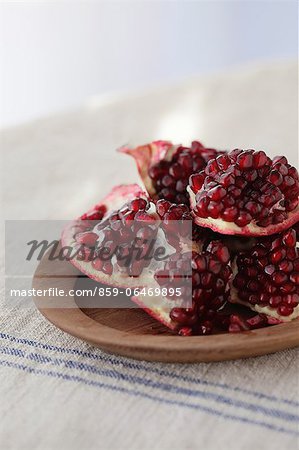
175,171
200,263
144,217
181,186
256,321
207,280
236,319
279,278
180,316
162,207
277,255
243,219
294,278
282,169
245,160
217,193
214,209
212,167
289,238
259,159
288,288
270,269
291,204
107,268
185,331
196,181
227,179
84,254
250,175
253,208
223,162
137,204
292,300
285,310
168,181
167,194
88,238
230,214
93,215
185,160
129,216
275,301
280,159
276,178
223,254
97,264
214,266
202,207
144,233
253,285
286,266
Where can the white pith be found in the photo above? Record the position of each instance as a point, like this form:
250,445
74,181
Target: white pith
160,310
221,226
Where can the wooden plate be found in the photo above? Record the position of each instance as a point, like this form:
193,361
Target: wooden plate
131,332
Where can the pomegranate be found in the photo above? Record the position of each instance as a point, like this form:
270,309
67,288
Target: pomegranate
209,273
239,245
165,168
244,192
113,248
201,275
266,277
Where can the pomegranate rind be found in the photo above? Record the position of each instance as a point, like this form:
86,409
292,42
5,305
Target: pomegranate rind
118,196
230,228
272,312
159,310
146,155
114,200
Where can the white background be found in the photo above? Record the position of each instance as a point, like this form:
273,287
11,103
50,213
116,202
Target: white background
54,55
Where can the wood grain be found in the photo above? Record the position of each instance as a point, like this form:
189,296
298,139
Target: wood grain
131,332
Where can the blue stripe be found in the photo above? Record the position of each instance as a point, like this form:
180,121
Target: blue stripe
147,367
155,385
145,395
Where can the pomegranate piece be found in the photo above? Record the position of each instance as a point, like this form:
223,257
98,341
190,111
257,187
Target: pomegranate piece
244,192
208,272
238,193
119,250
266,277
165,168
112,248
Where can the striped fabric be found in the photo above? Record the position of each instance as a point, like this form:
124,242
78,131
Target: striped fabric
228,396
59,392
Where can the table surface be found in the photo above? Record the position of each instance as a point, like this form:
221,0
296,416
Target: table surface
57,391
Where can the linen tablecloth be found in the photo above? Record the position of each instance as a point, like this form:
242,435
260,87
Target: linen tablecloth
59,392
